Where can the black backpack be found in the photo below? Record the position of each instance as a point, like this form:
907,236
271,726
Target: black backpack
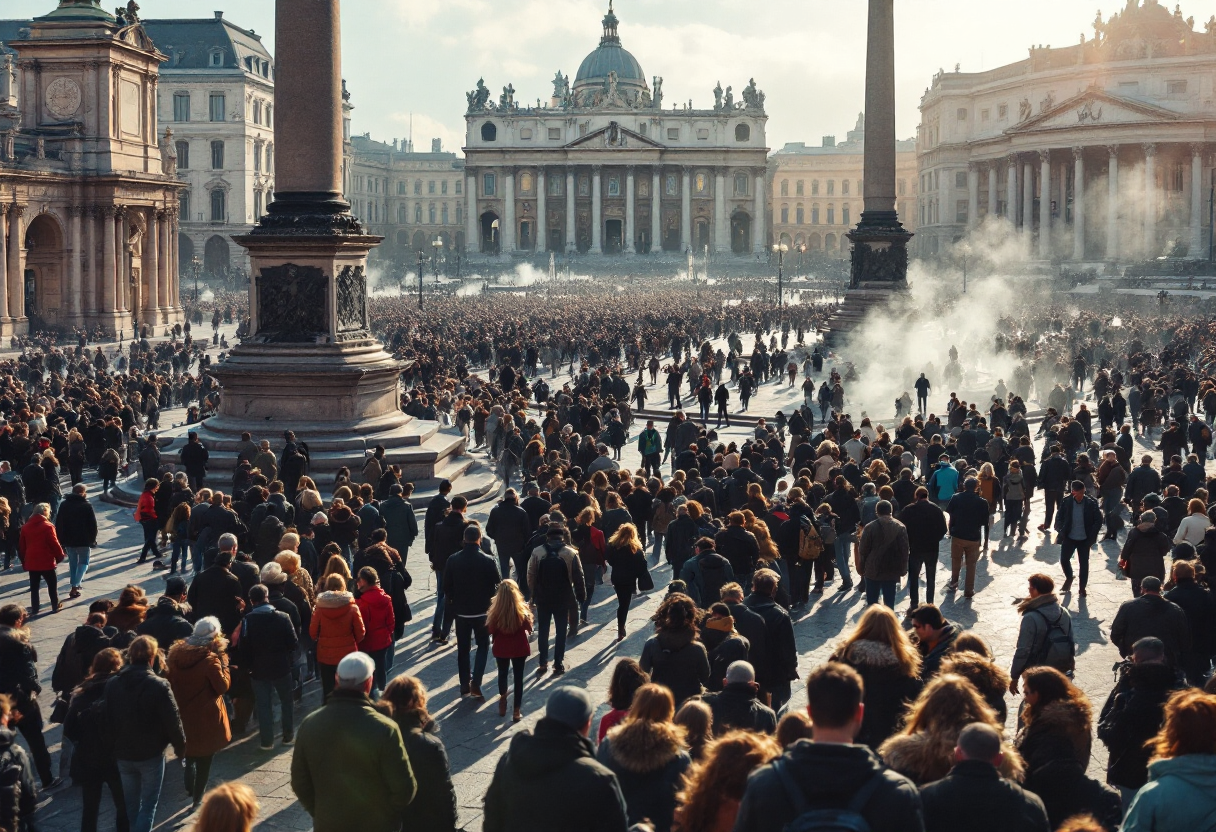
1057,649
848,819
553,586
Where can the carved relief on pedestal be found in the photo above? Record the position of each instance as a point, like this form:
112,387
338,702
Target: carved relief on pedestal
352,299
291,304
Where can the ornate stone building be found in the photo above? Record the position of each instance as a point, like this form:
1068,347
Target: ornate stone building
88,195
816,193
603,168
1101,151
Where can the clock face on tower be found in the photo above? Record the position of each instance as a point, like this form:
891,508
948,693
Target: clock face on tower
63,97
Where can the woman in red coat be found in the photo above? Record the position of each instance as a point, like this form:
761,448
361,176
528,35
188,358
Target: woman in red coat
509,622
145,513
377,610
40,554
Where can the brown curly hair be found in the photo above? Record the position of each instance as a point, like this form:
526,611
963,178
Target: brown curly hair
676,612
721,775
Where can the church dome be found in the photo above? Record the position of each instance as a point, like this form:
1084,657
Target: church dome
610,56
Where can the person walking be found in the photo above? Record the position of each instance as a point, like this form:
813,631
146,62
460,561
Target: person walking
376,609
348,750
433,808
780,662
558,583
1045,634
19,681
882,555
267,640
926,527
145,514
1078,525
41,552
93,765
199,677
470,580
336,628
142,715
627,557
76,526
509,622
968,518
1179,793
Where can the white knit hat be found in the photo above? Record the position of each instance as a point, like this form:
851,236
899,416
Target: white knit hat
272,574
205,631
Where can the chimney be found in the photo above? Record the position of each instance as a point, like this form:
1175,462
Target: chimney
436,145
829,141
219,15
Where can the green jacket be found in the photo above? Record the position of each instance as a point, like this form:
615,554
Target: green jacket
345,752
650,442
1180,794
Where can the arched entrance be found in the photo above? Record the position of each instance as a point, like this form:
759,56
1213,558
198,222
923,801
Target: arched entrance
185,254
44,270
460,241
813,242
557,238
216,257
403,240
701,234
785,238
490,238
740,233
829,244
419,241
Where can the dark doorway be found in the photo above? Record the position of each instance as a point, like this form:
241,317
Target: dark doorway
613,230
701,235
489,233
740,233
556,239
216,256
525,235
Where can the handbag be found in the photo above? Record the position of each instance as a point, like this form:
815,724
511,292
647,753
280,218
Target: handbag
645,580
59,711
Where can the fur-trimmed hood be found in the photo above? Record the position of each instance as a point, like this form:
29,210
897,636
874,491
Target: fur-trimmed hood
641,747
183,656
1064,720
924,757
871,654
126,617
334,600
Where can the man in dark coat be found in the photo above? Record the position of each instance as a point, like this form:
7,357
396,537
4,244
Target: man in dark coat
19,680
399,521
974,788
781,653
737,705
444,539
149,460
510,527
926,525
748,624
470,580
1153,616
166,621
216,591
194,459
549,779
1078,524
436,510
738,546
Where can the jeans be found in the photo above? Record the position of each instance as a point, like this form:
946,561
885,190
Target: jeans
1081,547
1112,509
141,782
380,674
1015,517
589,583
78,564
780,692
440,626
887,589
473,628
915,561
197,771
91,798
517,665
151,529
181,548
652,464
263,693
556,616
844,553
49,577
196,556
658,547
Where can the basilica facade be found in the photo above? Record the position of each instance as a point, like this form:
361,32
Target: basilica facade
88,192
1100,151
603,167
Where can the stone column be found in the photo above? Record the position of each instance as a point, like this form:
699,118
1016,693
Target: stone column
122,280
630,217
1027,204
109,259
506,230
721,219
1150,201
991,189
152,269
879,164
1112,204
760,223
162,264
1078,204
4,261
88,294
973,194
472,230
1196,203
597,211
686,210
1044,204
656,211
71,303
571,216
1011,191
542,212
16,262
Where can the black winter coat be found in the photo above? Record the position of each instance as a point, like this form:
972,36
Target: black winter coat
738,546
142,715
76,522
974,789
678,662
780,652
166,622
750,625
887,690
737,706
470,580
18,671
724,648
93,752
266,643
1131,717
216,591
510,528
649,762
434,807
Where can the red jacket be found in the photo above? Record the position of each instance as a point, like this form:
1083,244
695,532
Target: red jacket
146,510
377,610
39,545
514,645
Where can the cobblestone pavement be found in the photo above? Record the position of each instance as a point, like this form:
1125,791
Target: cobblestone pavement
474,734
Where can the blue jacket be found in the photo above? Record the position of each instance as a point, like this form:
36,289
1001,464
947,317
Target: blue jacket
1180,794
943,481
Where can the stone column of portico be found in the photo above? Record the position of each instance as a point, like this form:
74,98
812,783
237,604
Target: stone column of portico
16,262
122,254
163,264
4,261
571,239
721,220
472,233
89,294
1011,191
991,189
109,255
1078,203
1112,203
656,208
1027,206
152,269
1150,200
507,229
597,211
1045,205
627,242
71,303
1196,203
760,223
542,213
173,230
973,194
686,210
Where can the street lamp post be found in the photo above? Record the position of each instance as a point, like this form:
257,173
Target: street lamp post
780,250
420,265
195,267
437,245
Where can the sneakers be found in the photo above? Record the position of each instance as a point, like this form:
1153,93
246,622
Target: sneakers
558,669
267,747
541,671
289,740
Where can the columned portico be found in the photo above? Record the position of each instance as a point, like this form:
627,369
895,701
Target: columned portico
721,221
992,195
759,232
656,212
1011,190
571,239
542,213
1150,201
472,233
1194,251
686,210
16,262
973,195
1027,204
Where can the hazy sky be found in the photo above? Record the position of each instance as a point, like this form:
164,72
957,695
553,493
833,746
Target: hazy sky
420,56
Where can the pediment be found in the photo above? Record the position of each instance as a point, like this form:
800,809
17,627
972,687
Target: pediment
614,136
1095,107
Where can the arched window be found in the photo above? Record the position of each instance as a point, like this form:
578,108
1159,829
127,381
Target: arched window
489,132
219,206
798,188
785,214
401,215
831,214
418,213
742,132
459,214
431,213
785,187
815,214
844,215
801,214
444,213
831,187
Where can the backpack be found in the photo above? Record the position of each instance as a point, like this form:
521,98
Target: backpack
848,819
827,531
810,542
712,578
552,579
1057,649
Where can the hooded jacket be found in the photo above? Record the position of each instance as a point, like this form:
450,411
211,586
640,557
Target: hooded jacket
888,690
199,678
76,657
676,660
39,545
550,781
1180,794
724,645
924,757
376,609
704,574
780,652
336,626
19,800
1151,615
1145,550
649,761
1039,616
737,706
828,776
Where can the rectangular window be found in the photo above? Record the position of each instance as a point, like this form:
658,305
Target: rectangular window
418,187
673,188
1129,87
400,189
430,187
183,154
673,134
831,187
555,185
815,188
961,114
614,186
555,134
844,187
181,106
831,215
487,185
525,133
443,187
960,211
257,112
960,179
903,187
844,214
1002,111
459,187
257,205
444,213
217,155
584,186
257,159
702,134
814,215
217,107
183,206
218,206
800,215
1175,87
798,188
741,185
785,214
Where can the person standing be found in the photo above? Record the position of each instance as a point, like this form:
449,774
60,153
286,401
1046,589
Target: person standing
926,526
145,513
1054,474
470,580
398,515
76,526
882,555
922,394
1078,524
336,628
199,677
780,664
436,511
266,643
194,458
968,516
650,447
509,622
348,750
376,608
1045,634
40,553
142,714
